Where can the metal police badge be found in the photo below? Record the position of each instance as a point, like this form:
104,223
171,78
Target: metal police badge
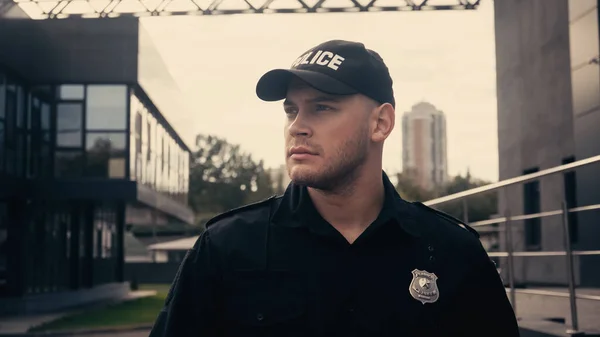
424,287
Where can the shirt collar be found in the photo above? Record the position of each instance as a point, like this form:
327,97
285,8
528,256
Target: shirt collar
295,208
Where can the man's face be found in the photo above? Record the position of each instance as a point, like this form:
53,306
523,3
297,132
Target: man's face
327,137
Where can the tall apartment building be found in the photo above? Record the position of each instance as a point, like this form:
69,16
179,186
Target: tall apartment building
424,155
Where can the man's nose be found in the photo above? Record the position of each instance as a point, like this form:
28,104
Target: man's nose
300,126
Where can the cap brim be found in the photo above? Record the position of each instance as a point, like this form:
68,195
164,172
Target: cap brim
273,85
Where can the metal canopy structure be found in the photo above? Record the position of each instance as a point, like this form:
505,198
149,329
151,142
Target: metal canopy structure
62,9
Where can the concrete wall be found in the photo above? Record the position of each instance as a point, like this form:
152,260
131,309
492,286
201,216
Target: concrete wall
74,50
584,47
535,119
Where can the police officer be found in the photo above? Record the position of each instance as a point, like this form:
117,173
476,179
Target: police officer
340,253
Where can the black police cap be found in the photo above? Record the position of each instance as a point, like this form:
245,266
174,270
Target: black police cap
335,67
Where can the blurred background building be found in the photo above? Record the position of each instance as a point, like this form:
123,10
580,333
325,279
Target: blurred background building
424,146
84,151
279,178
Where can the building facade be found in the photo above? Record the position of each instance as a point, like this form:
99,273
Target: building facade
549,114
424,149
584,44
84,151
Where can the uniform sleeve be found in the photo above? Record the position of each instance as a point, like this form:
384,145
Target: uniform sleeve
191,305
481,307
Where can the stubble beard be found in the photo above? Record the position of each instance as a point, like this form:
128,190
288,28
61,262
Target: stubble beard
340,171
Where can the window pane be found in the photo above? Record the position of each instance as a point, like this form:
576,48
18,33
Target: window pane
3,244
9,131
158,158
151,170
114,142
106,107
138,166
144,125
137,126
20,154
186,172
2,146
137,145
176,173
70,91
68,163
45,122
132,155
33,155
21,108
45,116
174,166
45,160
68,124
2,96
179,171
106,155
152,133
9,160
166,182
116,168
165,163
42,91
33,111
150,167
11,110
183,171
134,103
143,147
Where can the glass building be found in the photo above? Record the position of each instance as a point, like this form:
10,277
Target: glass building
82,154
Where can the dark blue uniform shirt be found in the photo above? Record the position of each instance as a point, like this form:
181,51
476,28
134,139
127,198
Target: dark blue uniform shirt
277,268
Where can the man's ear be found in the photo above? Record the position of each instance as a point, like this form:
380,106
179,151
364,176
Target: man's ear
384,121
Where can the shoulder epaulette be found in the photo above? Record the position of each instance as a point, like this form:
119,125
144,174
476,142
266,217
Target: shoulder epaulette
239,209
448,217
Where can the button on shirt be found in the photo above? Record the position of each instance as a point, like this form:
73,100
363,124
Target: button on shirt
277,268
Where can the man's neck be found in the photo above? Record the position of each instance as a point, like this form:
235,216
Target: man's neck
352,210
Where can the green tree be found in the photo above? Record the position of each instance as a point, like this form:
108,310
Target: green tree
223,177
479,207
279,187
410,191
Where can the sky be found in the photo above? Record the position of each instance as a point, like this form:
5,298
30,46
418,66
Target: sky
444,57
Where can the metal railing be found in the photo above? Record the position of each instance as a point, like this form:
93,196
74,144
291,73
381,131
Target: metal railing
508,219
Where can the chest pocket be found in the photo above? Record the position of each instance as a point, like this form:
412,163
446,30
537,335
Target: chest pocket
265,303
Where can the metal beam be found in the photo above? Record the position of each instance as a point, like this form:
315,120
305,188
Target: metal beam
5,6
62,9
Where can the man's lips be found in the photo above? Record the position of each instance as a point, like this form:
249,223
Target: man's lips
300,152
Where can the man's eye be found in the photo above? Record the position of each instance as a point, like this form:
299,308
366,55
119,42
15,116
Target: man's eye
320,107
290,111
